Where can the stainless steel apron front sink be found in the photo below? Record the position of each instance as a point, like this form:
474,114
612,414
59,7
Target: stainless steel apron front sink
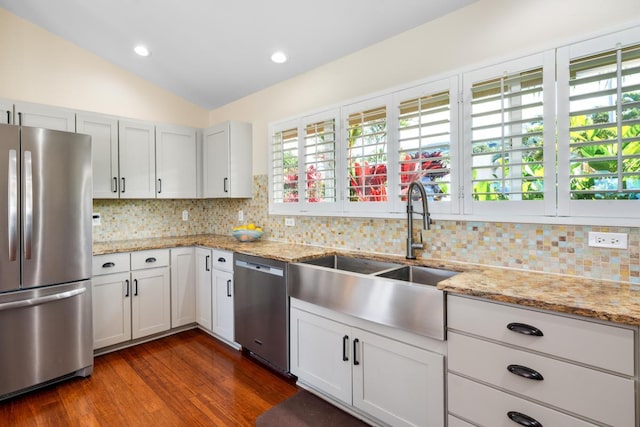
403,297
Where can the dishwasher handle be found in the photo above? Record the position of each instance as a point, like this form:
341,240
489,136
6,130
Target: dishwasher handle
260,268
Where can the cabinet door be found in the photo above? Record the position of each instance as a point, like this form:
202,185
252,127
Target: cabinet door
397,383
321,354
6,112
43,116
137,160
111,309
203,288
227,166
183,287
151,302
176,170
223,304
216,161
104,145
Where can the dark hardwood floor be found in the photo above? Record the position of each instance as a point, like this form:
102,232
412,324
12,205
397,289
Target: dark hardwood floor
188,379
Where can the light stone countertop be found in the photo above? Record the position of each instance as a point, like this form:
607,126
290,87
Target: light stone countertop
600,299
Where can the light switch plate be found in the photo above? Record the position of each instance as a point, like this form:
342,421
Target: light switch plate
289,222
185,215
96,218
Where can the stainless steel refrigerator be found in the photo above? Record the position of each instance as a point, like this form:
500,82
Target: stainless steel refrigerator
46,330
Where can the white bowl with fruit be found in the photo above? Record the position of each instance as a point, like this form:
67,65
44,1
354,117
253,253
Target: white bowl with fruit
247,233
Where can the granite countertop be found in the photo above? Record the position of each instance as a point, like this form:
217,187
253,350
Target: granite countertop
600,299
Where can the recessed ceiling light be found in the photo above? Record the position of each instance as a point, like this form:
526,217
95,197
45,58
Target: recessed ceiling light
142,50
279,57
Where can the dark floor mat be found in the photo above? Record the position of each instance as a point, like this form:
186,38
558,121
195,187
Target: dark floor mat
306,410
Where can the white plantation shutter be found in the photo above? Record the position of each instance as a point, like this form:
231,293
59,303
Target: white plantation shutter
320,161
427,143
509,138
285,182
367,149
599,126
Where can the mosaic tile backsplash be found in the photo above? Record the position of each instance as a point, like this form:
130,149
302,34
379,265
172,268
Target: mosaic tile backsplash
558,249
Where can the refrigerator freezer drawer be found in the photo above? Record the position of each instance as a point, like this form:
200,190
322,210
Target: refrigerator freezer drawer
50,335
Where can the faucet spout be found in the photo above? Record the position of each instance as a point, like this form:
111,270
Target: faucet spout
426,218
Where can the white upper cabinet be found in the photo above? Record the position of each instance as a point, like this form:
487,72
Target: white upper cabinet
43,116
176,160
227,161
104,142
137,160
6,112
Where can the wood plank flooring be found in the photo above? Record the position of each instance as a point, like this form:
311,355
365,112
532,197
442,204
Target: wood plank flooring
188,379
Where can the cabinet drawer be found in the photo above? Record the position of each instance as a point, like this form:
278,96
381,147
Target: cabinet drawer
604,346
222,260
486,406
110,263
457,422
594,394
149,259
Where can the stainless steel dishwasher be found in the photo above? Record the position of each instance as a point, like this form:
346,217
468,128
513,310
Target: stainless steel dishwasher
261,312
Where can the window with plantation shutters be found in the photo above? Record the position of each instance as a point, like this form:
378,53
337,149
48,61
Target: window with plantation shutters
427,142
367,154
600,136
508,150
320,161
285,186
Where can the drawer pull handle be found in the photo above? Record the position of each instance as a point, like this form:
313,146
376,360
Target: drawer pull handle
524,372
355,348
222,259
523,328
345,343
522,419
108,265
150,259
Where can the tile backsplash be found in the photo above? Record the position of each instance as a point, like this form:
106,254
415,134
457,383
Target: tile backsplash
559,249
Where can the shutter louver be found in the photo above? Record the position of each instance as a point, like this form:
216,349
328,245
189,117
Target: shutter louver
507,137
604,125
424,144
285,166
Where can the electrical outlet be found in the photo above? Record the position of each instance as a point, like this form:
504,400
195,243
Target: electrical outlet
185,215
240,216
289,222
608,240
96,218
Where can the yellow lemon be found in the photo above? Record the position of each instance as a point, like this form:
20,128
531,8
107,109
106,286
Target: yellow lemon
251,226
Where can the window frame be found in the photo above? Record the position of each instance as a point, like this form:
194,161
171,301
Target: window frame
545,207
556,208
595,209
449,84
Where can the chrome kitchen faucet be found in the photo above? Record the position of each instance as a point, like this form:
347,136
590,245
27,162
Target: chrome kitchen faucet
426,218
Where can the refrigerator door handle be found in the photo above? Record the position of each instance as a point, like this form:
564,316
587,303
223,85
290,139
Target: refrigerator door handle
13,204
41,300
28,204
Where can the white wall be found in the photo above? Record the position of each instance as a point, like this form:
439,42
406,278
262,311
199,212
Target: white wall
483,32
37,66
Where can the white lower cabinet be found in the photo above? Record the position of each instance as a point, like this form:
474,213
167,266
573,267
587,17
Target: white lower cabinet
381,377
183,286
111,309
509,365
214,293
131,296
150,302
